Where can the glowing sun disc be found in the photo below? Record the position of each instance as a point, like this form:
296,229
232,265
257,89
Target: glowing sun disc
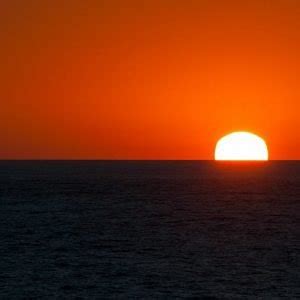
241,146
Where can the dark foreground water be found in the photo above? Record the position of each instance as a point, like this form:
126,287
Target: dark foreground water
149,230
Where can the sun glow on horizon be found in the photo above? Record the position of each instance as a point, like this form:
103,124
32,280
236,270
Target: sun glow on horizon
241,146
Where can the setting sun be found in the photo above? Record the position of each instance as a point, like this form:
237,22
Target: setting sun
241,146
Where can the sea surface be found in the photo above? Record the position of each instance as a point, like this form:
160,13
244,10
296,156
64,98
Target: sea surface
149,230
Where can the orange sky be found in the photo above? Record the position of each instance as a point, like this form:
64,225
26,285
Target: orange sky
157,79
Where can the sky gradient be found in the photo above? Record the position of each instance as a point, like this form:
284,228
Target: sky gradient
147,79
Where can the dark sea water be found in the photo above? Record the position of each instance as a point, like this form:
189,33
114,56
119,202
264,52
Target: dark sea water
149,230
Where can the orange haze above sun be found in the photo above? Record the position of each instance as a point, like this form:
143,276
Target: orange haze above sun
115,79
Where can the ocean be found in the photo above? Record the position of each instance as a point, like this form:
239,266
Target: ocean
149,230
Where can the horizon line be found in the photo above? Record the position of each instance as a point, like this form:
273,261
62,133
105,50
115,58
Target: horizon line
144,160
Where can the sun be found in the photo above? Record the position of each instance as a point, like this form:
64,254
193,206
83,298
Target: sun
241,146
